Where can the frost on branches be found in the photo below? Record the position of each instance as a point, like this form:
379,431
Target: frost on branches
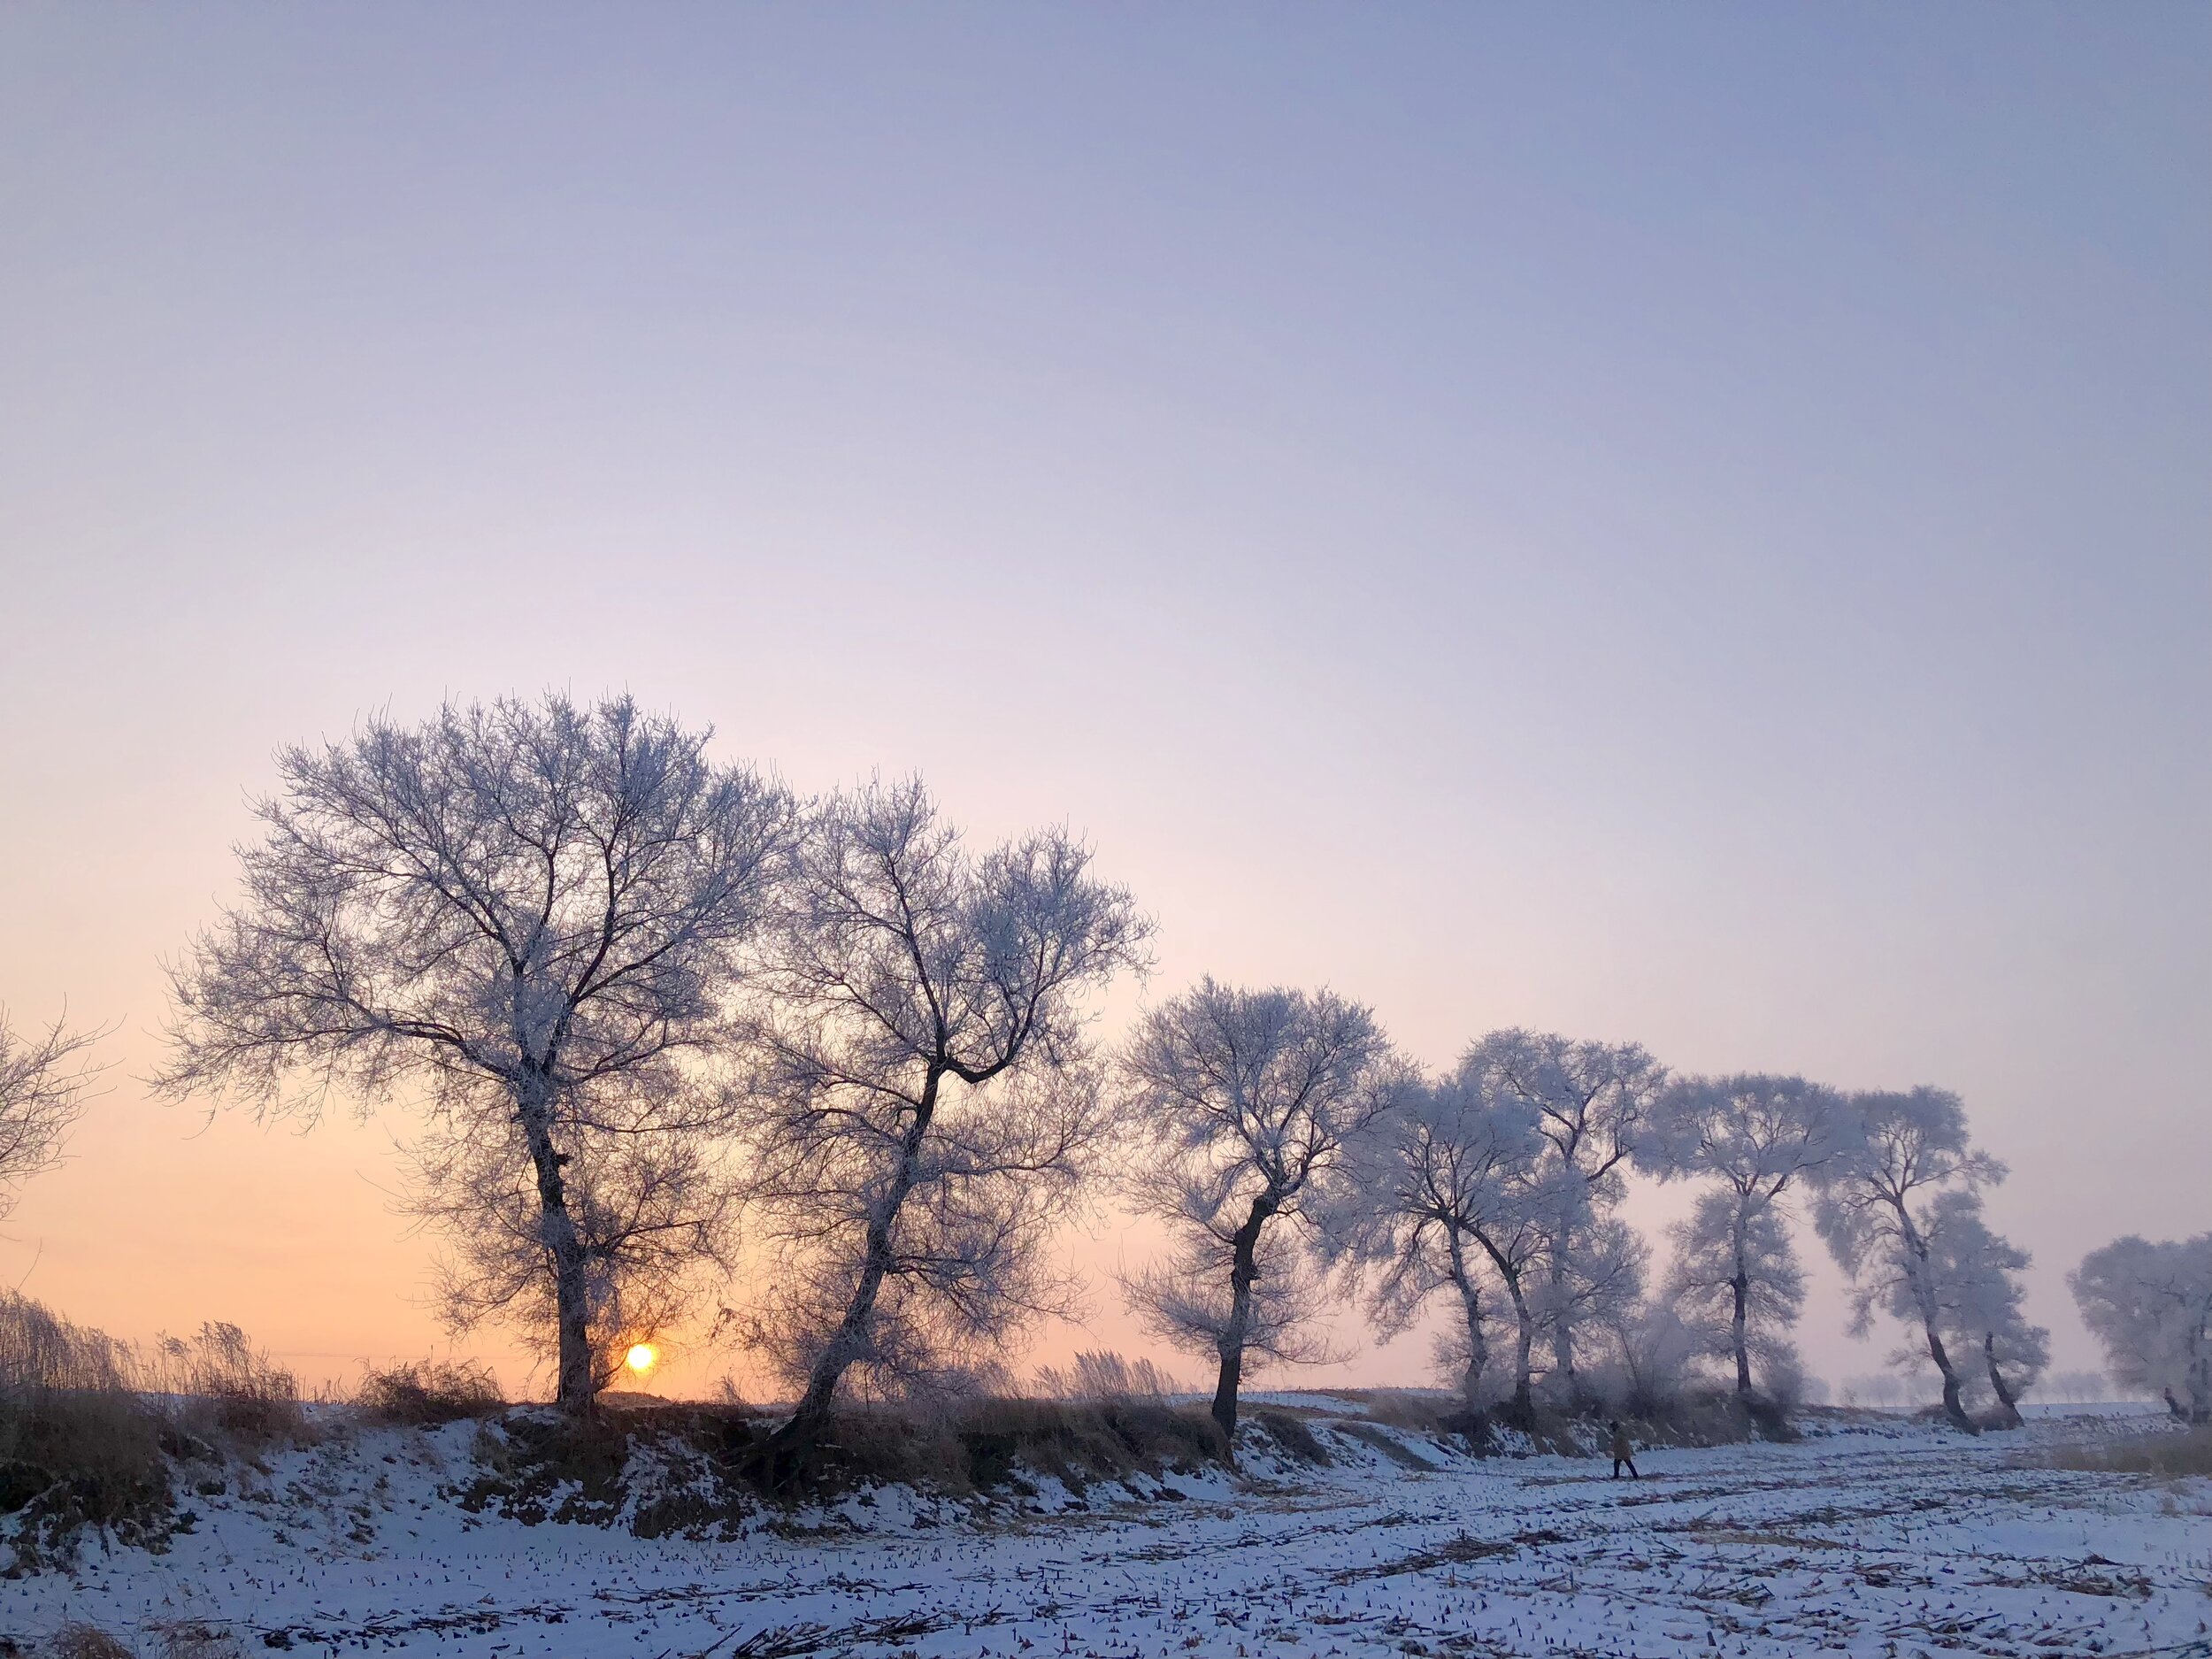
43,1081
2150,1305
1984,1305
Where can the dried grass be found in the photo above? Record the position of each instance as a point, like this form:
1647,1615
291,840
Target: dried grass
428,1392
192,1639
90,1426
2161,1452
218,1384
77,1446
84,1641
1102,1374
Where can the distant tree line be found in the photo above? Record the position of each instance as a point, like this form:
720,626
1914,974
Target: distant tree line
628,993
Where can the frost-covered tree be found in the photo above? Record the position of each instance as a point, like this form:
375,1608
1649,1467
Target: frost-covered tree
1243,1100
1735,1276
925,1098
1902,1152
1591,1101
1447,1179
44,1079
535,914
1736,1283
2150,1306
1606,1264
1984,1302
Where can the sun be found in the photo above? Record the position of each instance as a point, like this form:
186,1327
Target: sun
642,1358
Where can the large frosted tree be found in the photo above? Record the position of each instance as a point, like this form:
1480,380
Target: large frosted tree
925,1099
1591,1102
1752,1137
1243,1100
1902,1152
2150,1305
1440,1188
534,918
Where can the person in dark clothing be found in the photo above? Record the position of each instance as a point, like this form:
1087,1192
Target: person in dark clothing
1623,1454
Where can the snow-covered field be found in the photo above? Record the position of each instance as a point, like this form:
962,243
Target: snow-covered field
1894,1540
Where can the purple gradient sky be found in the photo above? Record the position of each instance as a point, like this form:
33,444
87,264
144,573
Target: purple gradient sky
1690,524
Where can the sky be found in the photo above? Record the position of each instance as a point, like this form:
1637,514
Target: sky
1688,524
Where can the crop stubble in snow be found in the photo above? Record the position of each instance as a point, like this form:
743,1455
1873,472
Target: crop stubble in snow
1900,1541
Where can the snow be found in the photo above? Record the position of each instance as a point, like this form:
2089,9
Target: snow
1889,1537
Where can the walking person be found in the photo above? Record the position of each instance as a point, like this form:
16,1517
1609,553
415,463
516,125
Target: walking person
1623,1454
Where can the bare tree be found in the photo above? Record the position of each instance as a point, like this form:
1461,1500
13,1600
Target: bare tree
1244,1099
1753,1136
1983,1302
1437,1185
538,913
2150,1305
1902,1152
1592,1100
925,1100
44,1080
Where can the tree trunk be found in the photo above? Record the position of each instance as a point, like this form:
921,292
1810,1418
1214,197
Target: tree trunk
1563,1335
851,1339
1917,1278
1739,1319
2200,1375
2005,1402
1741,1286
1244,1272
1524,1339
576,1388
1470,1304
1524,1399
1954,1407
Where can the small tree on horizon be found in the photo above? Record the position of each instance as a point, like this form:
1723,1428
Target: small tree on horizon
536,912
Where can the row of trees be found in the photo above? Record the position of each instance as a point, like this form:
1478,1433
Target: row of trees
1287,1139
630,993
